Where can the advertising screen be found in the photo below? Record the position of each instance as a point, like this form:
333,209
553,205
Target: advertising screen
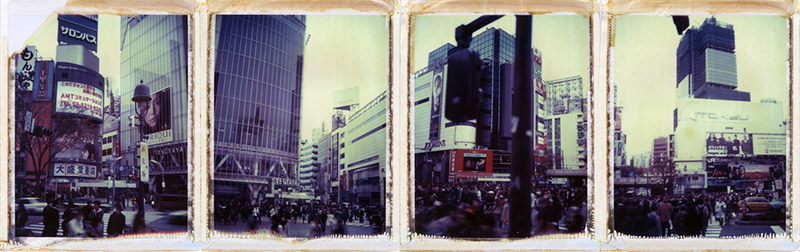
743,168
81,144
158,120
474,161
79,98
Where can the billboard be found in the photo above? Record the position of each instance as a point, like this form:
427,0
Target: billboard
437,96
80,99
78,30
617,118
75,170
744,144
344,98
735,168
80,145
158,120
473,161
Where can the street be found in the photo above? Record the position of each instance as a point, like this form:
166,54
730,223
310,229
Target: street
715,231
157,222
296,229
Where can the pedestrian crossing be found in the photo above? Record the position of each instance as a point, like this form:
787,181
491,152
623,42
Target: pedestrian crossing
713,230
38,227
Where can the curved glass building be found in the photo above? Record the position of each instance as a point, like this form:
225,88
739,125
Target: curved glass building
257,86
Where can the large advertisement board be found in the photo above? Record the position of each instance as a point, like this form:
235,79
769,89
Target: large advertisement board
81,145
479,161
739,168
723,144
79,98
158,120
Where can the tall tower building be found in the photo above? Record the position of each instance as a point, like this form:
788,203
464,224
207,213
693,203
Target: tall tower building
706,55
258,74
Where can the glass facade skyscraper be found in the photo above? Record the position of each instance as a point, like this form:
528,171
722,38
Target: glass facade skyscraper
257,86
154,52
706,55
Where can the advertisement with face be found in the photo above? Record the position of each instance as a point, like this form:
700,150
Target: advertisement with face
733,144
474,161
158,120
744,168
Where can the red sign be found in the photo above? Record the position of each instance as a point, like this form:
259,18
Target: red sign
474,161
43,73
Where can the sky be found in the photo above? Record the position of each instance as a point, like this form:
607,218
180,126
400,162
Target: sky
41,29
341,52
644,69
563,41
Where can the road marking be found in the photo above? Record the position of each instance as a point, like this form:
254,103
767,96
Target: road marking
777,229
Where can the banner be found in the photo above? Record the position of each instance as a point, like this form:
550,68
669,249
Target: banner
158,120
26,63
76,170
79,98
436,102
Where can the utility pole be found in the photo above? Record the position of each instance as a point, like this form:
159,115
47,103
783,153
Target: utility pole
521,142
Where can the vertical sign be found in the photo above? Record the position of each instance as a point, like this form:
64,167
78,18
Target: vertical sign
436,103
25,68
44,74
144,162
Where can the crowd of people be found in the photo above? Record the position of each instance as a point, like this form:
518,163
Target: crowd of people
85,221
324,219
482,209
682,215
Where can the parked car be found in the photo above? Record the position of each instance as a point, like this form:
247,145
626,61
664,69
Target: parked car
33,205
754,204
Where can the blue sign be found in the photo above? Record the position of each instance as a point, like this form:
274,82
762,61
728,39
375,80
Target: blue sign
78,30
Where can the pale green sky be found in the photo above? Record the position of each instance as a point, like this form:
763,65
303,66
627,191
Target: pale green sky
644,73
343,51
562,39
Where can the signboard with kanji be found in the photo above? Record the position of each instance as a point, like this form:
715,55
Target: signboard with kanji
75,170
144,162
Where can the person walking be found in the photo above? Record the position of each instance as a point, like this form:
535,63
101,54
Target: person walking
665,214
116,223
719,212
50,220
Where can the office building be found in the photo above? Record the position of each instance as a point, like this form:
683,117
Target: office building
361,155
258,65
706,54
154,53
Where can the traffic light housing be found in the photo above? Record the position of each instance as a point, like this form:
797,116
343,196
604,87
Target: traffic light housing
463,97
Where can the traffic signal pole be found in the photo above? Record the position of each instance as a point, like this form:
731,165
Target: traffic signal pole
522,132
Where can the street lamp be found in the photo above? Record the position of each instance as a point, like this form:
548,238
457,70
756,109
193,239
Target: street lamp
141,97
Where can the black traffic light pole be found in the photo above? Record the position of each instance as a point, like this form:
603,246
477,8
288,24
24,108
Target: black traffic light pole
521,144
463,94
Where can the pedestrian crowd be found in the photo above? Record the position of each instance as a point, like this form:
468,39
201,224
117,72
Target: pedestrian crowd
482,209
85,221
681,215
324,219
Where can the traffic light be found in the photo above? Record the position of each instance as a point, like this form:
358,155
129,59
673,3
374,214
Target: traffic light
462,101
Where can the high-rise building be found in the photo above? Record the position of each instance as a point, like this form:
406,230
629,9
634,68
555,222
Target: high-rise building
258,74
154,53
706,55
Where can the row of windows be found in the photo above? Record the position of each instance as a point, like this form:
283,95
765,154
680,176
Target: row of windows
282,74
256,115
272,139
